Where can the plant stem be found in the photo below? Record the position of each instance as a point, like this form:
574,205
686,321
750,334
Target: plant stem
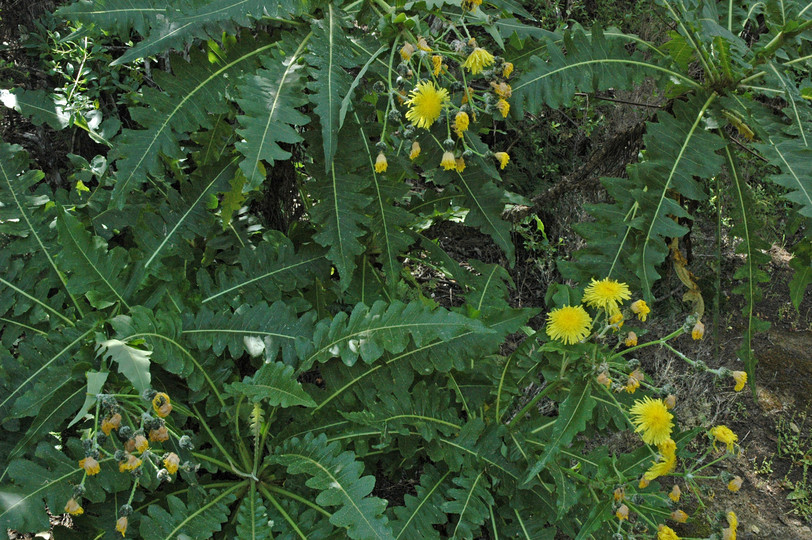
544,391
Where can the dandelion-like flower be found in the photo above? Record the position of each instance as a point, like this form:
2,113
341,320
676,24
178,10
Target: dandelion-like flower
161,404
141,443
698,331
437,64
741,379
90,465
448,162
622,512
121,525
666,533
74,508
735,484
461,123
415,151
607,294
679,516
631,340
503,107
502,89
569,324
675,493
111,423
171,463
724,435
380,163
507,70
503,159
641,309
667,462
425,104
652,419
406,51
478,60
616,320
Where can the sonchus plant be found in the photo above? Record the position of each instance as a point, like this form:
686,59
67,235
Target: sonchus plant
173,366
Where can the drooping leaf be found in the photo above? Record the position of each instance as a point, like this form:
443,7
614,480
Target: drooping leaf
95,383
275,383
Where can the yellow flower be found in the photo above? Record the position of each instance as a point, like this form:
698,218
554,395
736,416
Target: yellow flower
741,379
569,324
679,516
129,464
437,63
641,309
415,151
461,123
666,533
502,89
632,385
507,70
622,512
121,525
616,320
603,379
670,401
723,434
503,107
171,463
728,534
407,51
423,45
161,405
425,104
503,158
644,482
652,419
732,524
478,60
698,331
667,462
675,493
607,294
159,435
74,508
619,494
448,162
141,443
90,465
470,5
631,340
109,424
468,95
735,484
380,163
460,164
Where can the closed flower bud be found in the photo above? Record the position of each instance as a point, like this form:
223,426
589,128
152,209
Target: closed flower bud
126,432
185,442
380,163
461,123
121,525
735,484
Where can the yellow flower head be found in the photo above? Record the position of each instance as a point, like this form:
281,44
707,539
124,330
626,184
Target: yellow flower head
735,484
448,162
425,104
111,423
569,324
460,164
161,405
632,385
503,158
616,320
423,45
121,525
380,163
641,309
507,70
741,379
90,465
607,294
732,520
622,512
503,107
679,516
644,482
675,493
437,64
652,419
461,123
407,51
723,434
74,508
502,89
728,534
631,340
171,463
666,533
159,435
619,494
415,151
141,443
698,331
667,462
130,463
470,5
478,60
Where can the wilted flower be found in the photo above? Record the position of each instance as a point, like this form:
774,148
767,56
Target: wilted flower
699,330
675,493
121,525
130,463
603,379
161,404
380,163
641,309
73,507
619,494
461,123
631,340
507,70
109,424
159,435
667,462
502,89
503,158
460,164
407,51
90,465
622,512
415,150
666,533
437,64
679,516
741,379
448,162
478,60
616,320
503,107
141,443
723,434
171,463
423,45
735,484
670,401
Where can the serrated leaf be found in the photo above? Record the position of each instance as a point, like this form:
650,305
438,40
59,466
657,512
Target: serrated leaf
132,363
275,383
470,501
38,105
420,513
117,15
95,383
252,518
192,521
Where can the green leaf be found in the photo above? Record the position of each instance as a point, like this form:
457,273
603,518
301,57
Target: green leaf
470,501
38,105
252,518
337,477
194,521
802,264
417,518
116,15
95,383
269,99
275,383
132,363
